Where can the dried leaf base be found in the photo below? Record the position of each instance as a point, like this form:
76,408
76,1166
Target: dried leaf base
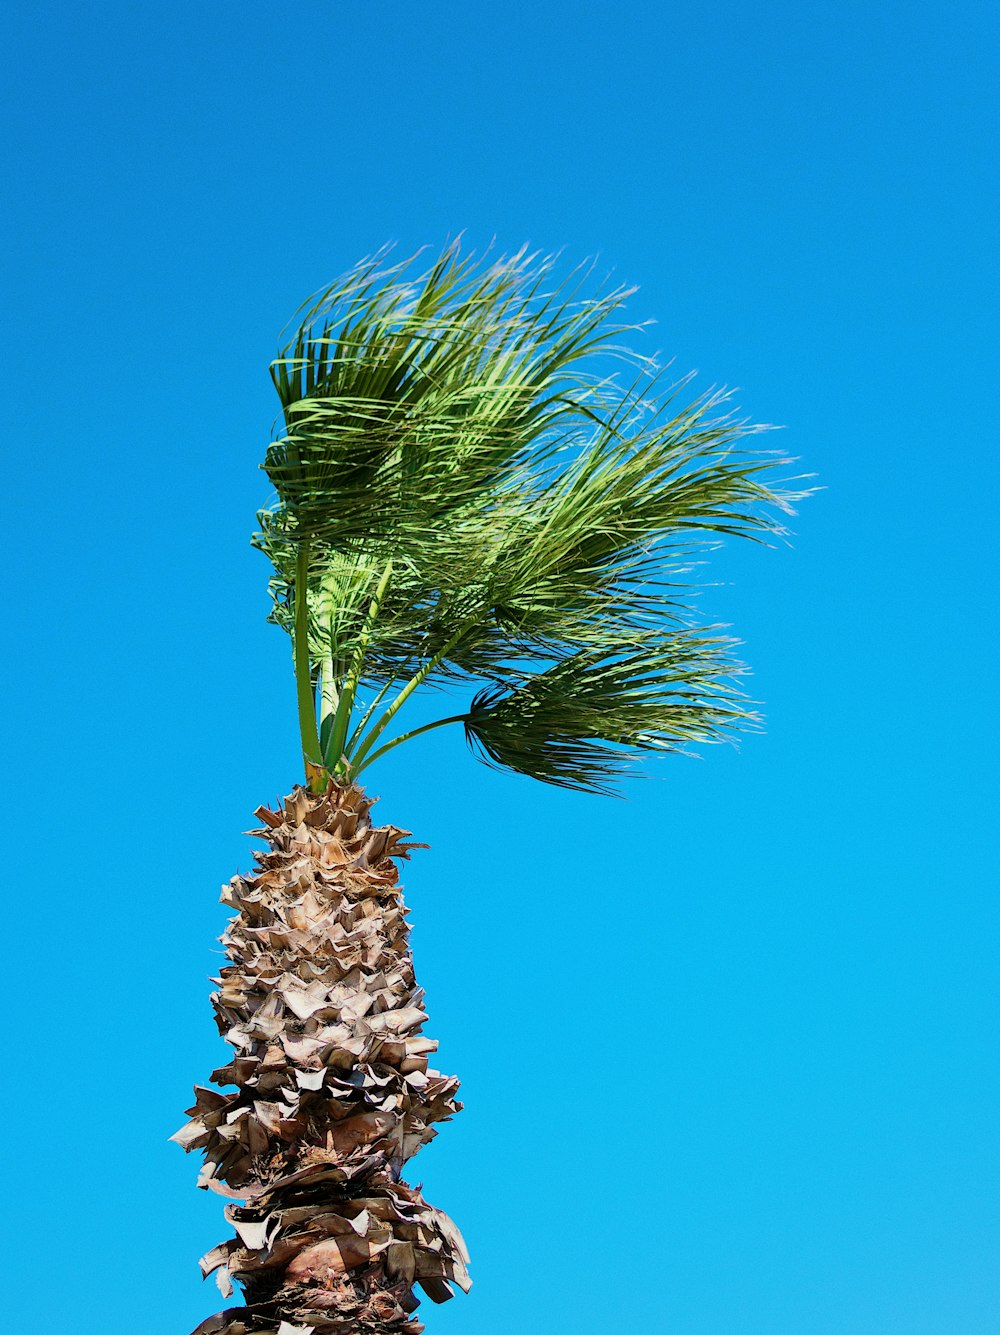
333,1092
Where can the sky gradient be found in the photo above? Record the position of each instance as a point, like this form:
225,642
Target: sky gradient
728,1047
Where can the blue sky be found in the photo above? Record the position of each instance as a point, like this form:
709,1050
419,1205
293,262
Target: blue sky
728,1047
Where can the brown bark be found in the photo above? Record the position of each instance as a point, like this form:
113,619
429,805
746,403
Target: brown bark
333,1094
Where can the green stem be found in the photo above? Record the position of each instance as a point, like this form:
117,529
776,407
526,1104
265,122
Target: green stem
329,698
311,751
405,737
404,695
363,723
329,695
342,717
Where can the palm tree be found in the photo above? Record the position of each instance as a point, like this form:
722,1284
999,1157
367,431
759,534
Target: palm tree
477,488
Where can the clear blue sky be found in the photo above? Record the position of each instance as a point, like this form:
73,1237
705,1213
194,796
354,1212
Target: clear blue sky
728,1047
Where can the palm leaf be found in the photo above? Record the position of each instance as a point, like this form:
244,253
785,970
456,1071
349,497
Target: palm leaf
582,722
404,402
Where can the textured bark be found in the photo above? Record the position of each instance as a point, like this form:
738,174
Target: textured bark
333,1094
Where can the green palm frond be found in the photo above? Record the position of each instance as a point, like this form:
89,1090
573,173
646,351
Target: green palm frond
583,722
600,542
405,399
466,494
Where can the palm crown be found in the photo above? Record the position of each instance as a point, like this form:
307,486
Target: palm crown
466,495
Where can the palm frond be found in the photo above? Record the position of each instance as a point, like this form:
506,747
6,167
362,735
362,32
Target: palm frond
583,722
606,541
406,399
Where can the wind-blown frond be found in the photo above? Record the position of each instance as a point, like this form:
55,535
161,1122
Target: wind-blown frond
583,722
404,400
602,539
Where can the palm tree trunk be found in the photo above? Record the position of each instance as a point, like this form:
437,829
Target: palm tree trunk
333,1094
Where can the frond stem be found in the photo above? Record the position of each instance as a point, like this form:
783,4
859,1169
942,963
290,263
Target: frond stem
369,712
372,737
342,716
329,698
405,737
311,751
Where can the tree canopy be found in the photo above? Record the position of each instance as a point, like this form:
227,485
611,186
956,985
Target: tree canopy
480,485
